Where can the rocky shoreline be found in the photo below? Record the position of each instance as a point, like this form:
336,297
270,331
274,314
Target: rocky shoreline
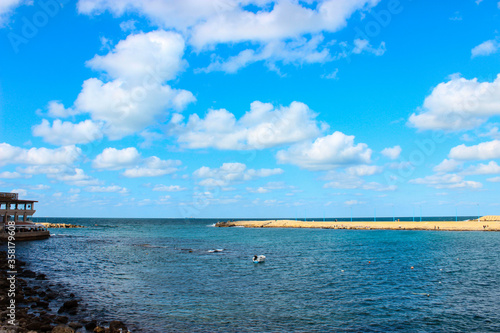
41,306
60,225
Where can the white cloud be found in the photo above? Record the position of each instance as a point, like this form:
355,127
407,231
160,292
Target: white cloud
446,181
106,189
67,133
130,159
6,9
170,188
352,180
66,155
275,29
262,127
230,173
363,45
392,153
494,180
270,186
363,170
353,202
332,76
326,152
128,25
458,104
114,159
135,94
299,51
152,167
62,173
483,151
483,169
10,175
486,48
22,192
57,110
286,19
156,56
447,166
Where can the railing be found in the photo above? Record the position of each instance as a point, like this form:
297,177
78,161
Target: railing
14,196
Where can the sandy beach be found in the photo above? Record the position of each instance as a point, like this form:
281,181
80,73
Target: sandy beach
486,223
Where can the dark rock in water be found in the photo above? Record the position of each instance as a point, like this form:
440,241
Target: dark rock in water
29,274
71,295
69,307
99,329
62,320
63,329
117,326
51,295
90,326
41,277
42,294
43,305
75,326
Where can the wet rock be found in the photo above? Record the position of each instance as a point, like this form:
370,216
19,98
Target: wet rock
75,326
91,325
46,328
69,307
117,326
61,320
62,329
99,329
34,326
43,305
41,277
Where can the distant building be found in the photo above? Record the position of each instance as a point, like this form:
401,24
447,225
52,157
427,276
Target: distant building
13,209
16,219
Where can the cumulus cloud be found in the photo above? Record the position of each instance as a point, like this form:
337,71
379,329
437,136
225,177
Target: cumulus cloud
451,181
134,94
483,151
277,30
230,173
262,127
448,165
392,153
135,165
10,175
486,48
107,189
152,167
114,159
326,152
483,169
67,133
458,104
62,173
66,155
169,188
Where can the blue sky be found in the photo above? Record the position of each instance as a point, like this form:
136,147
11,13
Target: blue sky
251,108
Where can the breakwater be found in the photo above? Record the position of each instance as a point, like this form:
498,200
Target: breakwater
486,223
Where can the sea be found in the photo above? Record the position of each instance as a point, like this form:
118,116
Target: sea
185,275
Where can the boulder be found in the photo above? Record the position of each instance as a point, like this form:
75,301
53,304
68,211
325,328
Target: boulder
62,329
75,326
90,326
117,326
99,329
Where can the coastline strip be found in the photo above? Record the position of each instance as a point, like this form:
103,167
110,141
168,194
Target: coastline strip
474,225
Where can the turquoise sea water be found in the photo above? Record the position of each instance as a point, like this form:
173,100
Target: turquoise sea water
159,275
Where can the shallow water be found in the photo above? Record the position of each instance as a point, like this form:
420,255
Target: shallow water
159,275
